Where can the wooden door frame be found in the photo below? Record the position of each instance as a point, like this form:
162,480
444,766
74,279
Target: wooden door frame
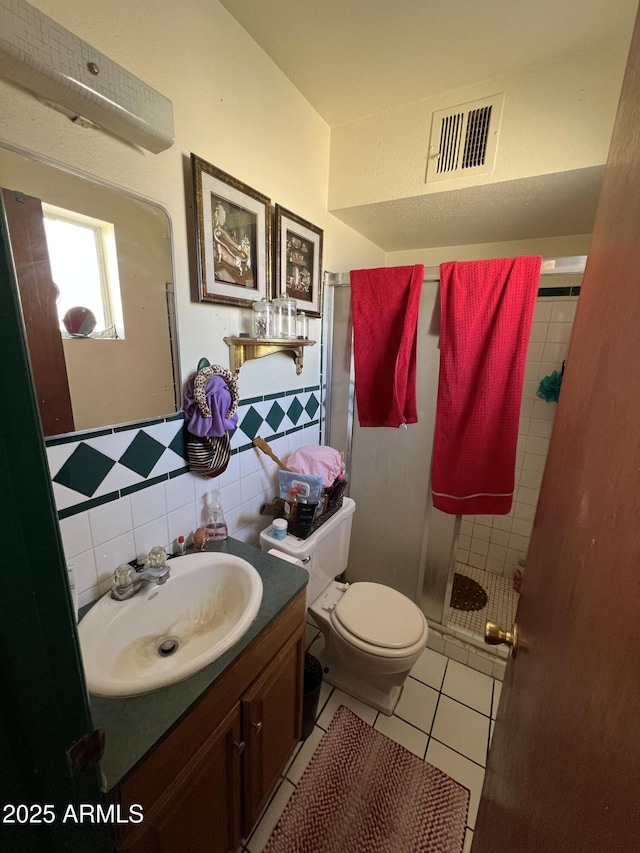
44,706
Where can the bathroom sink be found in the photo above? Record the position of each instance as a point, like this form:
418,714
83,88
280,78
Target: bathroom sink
168,632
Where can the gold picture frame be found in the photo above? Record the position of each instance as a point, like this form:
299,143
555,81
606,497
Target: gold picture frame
298,261
233,237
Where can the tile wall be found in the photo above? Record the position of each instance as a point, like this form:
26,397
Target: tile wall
121,491
497,542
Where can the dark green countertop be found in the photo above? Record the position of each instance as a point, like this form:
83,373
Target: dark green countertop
133,725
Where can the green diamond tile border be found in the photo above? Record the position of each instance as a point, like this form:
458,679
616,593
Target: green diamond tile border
142,454
84,470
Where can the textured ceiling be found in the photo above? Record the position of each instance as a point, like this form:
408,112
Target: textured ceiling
544,206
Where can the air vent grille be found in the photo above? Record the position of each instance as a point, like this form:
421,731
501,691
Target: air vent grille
464,139
475,143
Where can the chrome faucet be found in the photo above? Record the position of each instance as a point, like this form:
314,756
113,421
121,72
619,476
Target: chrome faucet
127,581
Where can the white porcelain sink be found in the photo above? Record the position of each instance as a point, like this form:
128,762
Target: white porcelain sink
205,606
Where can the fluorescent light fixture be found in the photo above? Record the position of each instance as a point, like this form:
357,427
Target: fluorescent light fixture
53,63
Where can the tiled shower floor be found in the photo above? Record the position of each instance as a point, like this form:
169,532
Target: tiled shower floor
500,608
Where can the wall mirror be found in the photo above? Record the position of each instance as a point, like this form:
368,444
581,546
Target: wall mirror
94,267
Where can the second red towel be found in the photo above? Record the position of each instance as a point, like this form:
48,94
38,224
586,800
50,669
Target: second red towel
487,309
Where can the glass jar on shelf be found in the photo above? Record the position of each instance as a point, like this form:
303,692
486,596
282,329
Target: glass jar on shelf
285,311
302,325
263,319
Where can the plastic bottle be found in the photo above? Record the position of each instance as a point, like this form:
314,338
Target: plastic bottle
215,526
181,546
291,506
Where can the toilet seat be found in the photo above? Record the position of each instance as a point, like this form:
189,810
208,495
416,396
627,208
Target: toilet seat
379,620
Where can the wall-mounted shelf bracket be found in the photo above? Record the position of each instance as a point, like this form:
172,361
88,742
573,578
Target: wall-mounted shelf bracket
245,349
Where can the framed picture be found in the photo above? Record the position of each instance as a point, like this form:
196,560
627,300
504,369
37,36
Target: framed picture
233,237
298,261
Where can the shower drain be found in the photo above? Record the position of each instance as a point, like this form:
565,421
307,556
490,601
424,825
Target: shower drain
168,647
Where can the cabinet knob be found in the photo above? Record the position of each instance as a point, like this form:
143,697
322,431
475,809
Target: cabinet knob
239,746
257,727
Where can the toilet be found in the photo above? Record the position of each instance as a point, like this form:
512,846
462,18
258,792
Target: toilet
372,634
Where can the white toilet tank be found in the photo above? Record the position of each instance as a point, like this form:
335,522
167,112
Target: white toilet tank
324,554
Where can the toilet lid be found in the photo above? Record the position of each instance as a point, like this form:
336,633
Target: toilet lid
380,616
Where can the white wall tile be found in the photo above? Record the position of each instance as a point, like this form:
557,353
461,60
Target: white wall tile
522,528
534,462
478,561
85,572
535,350
179,491
502,522
544,409
76,534
526,512
563,312
481,532
495,566
479,546
147,536
148,504
109,555
499,537
554,352
499,552
542,310
110,520
531,479
541,427
536,444
559,333
538,334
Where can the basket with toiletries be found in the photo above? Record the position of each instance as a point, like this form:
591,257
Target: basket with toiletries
312,489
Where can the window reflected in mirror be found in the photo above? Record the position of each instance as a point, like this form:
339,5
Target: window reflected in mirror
94,271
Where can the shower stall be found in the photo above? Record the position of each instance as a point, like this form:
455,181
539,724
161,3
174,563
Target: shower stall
459,569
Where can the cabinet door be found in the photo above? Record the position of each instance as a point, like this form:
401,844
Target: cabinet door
200,810
272,725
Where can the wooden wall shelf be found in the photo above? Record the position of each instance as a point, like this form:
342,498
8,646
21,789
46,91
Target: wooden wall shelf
246,349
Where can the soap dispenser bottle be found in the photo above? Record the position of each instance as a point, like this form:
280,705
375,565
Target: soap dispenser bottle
215,526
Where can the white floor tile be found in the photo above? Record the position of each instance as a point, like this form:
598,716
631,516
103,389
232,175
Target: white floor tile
407,736
417,704
497,692
337,698
462,729
325,692
468,686
303,756
460,769
430,668
271,817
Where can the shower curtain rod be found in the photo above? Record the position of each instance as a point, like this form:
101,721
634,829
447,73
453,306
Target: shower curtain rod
550,266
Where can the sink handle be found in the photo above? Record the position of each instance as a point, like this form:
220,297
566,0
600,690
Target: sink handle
123,577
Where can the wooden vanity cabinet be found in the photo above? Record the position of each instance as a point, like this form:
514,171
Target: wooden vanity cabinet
204,785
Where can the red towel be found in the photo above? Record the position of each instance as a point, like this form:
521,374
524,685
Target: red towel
385,304
486,308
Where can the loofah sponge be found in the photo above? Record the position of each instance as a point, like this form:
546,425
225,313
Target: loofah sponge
549,388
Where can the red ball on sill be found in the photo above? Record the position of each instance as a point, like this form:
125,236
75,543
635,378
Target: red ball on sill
79,321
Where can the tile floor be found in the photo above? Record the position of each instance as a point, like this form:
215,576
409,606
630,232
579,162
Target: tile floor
500,608
445,715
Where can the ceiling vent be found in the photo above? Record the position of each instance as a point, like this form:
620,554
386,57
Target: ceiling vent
464,140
